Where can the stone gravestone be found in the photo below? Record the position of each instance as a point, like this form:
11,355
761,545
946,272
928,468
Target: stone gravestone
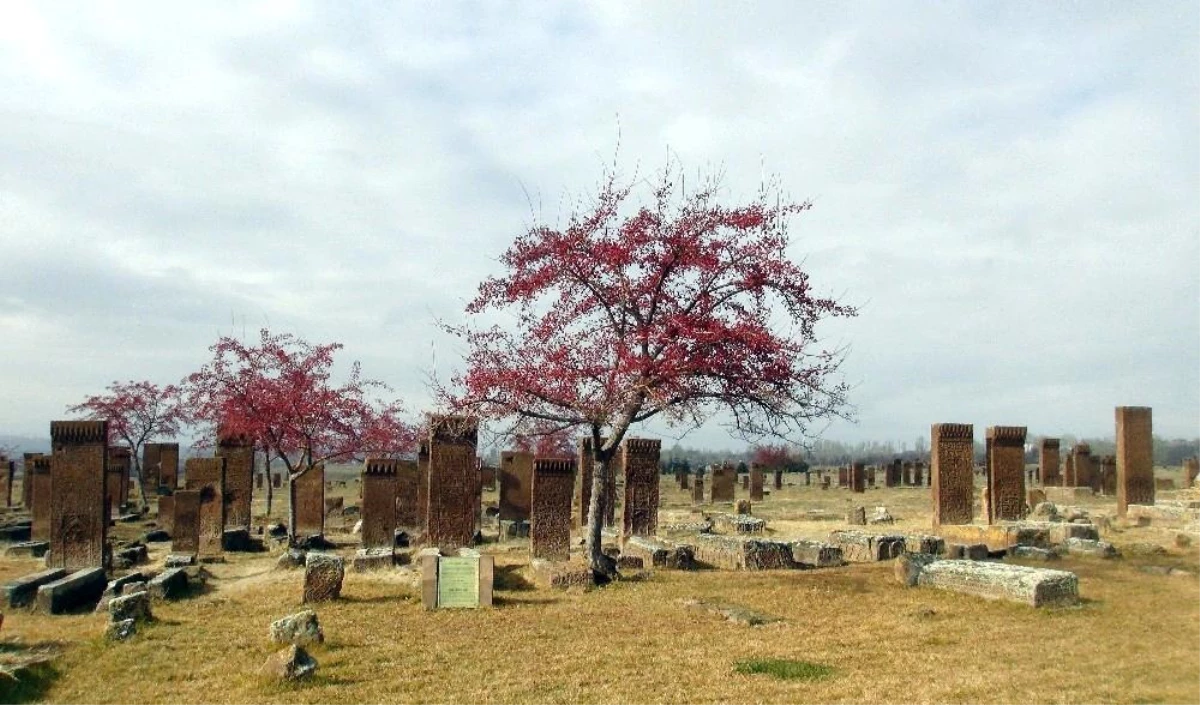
260,480
185,535
918,470
1081,456
116,484
1048,462
1191,470
779,478
1005,473
1135,457
516,485
746,482
757,479
895,473
858,477
452,480
308,492
951,471
406,494
907,474
8,471
685,480
423,486
238,452
26,483
166,511
168,465
462,581
78,520
379,483
276,480
640,469
151,460
1068,473
698,489
608,499
206,476
553,487
843,476
37,471
724,476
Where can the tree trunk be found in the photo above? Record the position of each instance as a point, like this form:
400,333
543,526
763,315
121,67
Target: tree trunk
595,552
141,476
292,507
267,481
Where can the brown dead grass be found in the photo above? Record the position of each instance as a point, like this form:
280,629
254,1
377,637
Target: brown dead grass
1135,638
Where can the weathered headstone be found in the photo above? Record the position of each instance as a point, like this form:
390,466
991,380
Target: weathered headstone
26,482
238,452
207,477
1081,456
684,480
78,521
516,485
858,477
260,480
779,478
37,477
423,486
757,479
308,492
1107,469
8,472
166,511
843,476
379,483
460,581
1048,463
951,470
406,494
698,490
185,530
1135,457
895,473
452,481
1068,472
151,460
640,469
608,498
1005,473
116,484
746,482
323,575
276,480
553,486
907,474
918,474
723,478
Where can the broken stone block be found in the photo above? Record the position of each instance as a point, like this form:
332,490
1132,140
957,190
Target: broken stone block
291,559
742,506
629,563
301,629
736,553
23,590
237,539
1002,581
292,663
370,559
115,587
171,584
1045,511
908,566
861,547
881,516
924,543
135,607
73,592
323,575
857,516
1091,548
120,631
1033,553
816,554
739,523
180,560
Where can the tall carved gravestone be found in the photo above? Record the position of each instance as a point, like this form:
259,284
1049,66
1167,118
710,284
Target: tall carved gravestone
26,481
608,498
843,476
116,485
168,465
452,480
895,473
870,476
206,476
423,486
907,478
185,535
1106,469
779,478
151,460
379,484
516,485
640,469
1048,462
166,510
685,480
1068,473
757,480
918,474
724,477
276,480
698,489
553,487
1081,457
952,472
308,492
1135,457
238,452
37,471
78,520
1005,473
406,494
8,472
858,477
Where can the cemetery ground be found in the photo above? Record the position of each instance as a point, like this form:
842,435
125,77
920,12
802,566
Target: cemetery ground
1133,637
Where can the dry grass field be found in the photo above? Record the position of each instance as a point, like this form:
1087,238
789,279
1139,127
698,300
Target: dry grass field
1134,638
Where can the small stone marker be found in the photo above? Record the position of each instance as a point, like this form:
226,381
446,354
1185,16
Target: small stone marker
323,575
462,581
290,664
301,629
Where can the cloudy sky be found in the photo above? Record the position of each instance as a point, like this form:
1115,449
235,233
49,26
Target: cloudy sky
1010,192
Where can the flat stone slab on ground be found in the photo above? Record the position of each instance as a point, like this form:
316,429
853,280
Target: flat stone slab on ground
738,614
1036,587
739,523
1090,548
1033,553
562,574
660,554
1001,537
23,590
75,591
737,553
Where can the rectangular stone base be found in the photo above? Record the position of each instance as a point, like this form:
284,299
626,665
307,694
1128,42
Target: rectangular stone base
734,553
1036,587
562,575
79,590
370,559
23,590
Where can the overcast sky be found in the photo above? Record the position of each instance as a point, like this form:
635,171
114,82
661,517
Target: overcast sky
1010,192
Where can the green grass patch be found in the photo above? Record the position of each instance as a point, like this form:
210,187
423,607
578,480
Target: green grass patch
784,669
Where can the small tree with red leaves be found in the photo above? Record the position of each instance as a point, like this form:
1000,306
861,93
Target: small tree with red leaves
137,412
281,394
770,456
675,309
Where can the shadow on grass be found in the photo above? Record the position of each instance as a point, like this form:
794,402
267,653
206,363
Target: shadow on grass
316,680
499,601
376,599
27,670
508,577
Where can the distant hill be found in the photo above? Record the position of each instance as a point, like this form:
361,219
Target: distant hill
25,444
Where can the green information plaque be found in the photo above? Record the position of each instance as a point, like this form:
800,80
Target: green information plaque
458,582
